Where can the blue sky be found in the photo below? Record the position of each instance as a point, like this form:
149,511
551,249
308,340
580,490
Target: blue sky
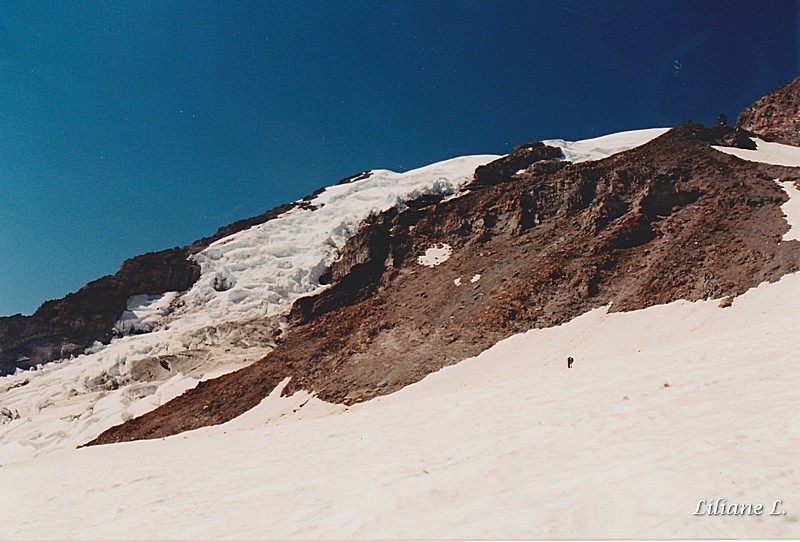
133,126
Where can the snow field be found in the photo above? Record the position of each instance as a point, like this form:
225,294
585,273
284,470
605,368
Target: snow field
664,407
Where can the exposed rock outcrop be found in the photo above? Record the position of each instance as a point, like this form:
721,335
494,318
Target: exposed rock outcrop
529,157
776,116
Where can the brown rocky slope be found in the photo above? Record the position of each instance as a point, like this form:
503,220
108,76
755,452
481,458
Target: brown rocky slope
776,116
672,219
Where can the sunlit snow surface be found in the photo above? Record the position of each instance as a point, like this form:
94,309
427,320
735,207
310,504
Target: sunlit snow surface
604,146
663,407
769,153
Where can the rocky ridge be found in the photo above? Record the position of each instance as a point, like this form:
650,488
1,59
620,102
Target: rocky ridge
776,116
532,246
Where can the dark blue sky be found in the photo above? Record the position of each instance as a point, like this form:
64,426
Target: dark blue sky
132,126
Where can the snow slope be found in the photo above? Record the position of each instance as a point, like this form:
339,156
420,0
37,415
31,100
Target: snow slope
766,152
247,281
664,407
601,147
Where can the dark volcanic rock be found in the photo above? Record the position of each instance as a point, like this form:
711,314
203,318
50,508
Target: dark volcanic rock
722,134
521,158
672,219
776,116
738,138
